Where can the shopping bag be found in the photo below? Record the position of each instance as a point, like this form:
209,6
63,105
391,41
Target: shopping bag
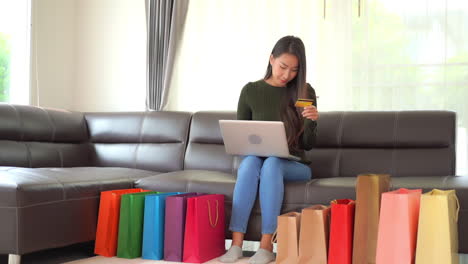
108,221
153,226
131,225
340,249
313,235
437,229
287,237
204,228
369,188
398,227
176,206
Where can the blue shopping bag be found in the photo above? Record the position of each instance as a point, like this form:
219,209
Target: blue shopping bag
153,226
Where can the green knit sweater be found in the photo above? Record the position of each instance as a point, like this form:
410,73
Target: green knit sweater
261,101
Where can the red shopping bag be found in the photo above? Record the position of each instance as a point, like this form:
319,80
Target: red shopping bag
341,232
398,226
204,228
108,221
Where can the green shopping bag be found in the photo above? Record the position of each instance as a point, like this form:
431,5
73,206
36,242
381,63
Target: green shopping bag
131,225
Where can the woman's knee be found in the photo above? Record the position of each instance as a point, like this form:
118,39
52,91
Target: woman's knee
273,162
250,164
273,165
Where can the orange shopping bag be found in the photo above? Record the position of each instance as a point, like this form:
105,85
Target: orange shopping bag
108,221
398,226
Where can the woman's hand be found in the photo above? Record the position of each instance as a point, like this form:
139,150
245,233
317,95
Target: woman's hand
310,112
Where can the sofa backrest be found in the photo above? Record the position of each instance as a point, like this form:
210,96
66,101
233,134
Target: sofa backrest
403,143
205,150
37,137
143,140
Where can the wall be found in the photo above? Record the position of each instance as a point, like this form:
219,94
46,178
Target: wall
53,53
91,55
110,55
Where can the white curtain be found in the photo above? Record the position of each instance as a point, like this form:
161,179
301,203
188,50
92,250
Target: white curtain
361,54
226,44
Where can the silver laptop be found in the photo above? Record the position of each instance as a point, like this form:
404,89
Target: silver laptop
259,138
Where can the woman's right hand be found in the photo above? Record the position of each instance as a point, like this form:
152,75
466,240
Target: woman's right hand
310,112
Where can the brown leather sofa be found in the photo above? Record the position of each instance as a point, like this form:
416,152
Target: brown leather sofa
54,164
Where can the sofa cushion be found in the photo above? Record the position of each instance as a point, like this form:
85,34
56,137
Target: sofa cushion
190,181
205,150
22,187
38,137
400,143
29,123
54,207
142,140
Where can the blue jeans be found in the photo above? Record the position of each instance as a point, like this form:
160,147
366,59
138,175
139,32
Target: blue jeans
267,175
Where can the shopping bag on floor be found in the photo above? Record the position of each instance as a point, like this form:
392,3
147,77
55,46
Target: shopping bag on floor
131,225
287,238
313,235
340,249
369,188
108,221
204,228
153,226
174,227
398,226
437,229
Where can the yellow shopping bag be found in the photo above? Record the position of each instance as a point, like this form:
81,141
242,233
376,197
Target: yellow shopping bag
437,230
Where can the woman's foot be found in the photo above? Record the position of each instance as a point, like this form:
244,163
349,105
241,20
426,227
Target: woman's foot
232,255
262,256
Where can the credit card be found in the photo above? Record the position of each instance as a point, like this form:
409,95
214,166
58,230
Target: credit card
303,102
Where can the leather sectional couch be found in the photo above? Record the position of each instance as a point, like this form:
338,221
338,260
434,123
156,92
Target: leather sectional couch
54,164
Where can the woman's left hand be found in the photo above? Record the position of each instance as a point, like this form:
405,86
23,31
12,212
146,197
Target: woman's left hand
310,112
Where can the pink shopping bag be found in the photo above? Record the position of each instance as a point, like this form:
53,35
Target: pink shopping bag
398,227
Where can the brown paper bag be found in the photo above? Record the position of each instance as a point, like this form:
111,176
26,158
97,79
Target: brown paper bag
369,188
313,239
287,236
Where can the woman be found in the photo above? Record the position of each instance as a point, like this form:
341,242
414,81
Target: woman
273,99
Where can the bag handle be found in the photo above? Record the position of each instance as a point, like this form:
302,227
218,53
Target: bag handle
274,237
209,213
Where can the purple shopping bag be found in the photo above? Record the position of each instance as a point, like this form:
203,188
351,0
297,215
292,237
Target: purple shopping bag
176,206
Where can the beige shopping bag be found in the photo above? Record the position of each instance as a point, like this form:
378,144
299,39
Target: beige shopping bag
287,236
369,188
437,230
313,238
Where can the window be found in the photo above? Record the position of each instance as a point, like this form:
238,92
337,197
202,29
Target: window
14,51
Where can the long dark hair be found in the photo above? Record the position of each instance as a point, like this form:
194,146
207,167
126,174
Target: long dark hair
296,88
